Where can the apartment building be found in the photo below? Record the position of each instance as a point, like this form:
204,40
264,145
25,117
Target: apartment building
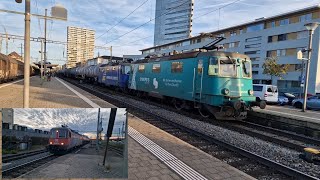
80,46
173,20
278,36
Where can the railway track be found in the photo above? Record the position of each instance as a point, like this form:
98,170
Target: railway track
8,158
21,169
251,163
282,137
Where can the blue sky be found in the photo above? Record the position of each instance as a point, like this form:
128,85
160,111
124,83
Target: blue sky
83,120
100,15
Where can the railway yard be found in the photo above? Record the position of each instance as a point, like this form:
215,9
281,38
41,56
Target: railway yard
165,143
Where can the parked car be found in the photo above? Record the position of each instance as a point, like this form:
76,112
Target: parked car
282,100
268,93
289,96
313,102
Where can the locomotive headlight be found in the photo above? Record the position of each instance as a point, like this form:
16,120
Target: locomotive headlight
62,143
225,91
250,92
50,142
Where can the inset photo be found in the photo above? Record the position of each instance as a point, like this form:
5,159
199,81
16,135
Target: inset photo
64,143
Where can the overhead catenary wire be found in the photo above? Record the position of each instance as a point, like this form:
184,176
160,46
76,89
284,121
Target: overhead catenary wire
217,9
122,19
146,23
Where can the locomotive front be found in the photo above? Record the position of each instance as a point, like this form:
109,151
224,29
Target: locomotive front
230,83
59,140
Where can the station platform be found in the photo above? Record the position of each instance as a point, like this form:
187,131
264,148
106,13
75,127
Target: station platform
83,163
171,159
290,116
47,94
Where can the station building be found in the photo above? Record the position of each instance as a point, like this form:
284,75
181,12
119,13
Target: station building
278,36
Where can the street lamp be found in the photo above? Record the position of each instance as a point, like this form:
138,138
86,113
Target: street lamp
310,27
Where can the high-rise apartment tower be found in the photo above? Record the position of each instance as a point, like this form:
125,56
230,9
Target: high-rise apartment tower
173,20
80,46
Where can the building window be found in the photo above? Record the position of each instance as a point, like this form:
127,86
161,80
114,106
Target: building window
233,33
254,58
284,22
298,67
270,39
255,27
269,53
176,67
231,45
281,52
255,65
302,34
252,52
241,31
253,45
258,38
156,68
306,17
256,81
141,68
282,37
273,24
199,40
255,72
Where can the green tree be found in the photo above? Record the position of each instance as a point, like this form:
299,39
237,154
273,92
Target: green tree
272,68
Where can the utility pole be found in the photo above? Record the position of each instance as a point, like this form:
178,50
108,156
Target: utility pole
45,41
97,140
0,44
21,51
7,44
41,60
26,55
110,53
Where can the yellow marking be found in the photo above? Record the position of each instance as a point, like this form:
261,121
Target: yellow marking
312,150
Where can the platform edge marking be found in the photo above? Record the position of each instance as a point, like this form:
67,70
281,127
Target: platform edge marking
87,100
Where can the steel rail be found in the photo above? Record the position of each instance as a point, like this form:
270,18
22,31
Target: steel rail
9,158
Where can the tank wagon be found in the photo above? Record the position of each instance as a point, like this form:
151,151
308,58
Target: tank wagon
217,83
63,139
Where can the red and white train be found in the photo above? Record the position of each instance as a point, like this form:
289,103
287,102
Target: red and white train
63,139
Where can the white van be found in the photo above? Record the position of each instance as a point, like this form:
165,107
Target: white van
264,92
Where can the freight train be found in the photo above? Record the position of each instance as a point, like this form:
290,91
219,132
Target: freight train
11,69
215,83
63,139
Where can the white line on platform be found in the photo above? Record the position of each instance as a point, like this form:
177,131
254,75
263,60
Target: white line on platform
170,160
305,117
5,85
294,109
92,104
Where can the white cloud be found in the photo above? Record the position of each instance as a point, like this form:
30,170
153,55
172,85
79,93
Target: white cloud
83,120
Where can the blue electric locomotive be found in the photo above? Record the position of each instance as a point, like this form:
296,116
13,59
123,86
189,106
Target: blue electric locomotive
219,83
115,76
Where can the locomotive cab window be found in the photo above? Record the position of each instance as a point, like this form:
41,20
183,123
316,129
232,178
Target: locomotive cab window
156,68
227,67
246,69
176,67
141,68
213,66
126,70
